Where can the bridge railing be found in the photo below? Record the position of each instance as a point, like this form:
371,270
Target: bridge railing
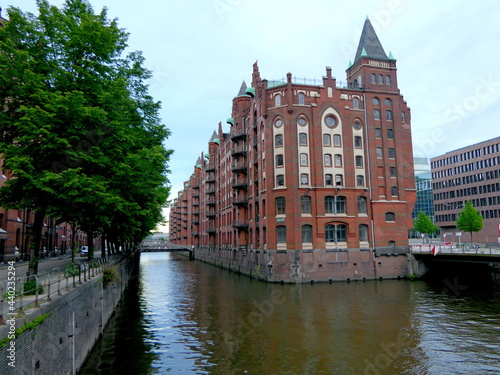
19,294
453,248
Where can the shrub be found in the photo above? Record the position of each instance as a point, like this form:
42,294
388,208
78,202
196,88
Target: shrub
109,275
71,270
30,288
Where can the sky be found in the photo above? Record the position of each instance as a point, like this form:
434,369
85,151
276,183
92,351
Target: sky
200,51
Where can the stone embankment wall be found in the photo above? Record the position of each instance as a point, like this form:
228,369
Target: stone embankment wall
61,343
299,266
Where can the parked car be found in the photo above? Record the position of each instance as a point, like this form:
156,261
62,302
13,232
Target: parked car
84,250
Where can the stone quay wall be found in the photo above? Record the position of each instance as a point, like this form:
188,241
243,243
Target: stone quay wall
61,343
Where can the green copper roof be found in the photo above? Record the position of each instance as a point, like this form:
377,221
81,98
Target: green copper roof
363,52
390,56
216,140
250,91
230,121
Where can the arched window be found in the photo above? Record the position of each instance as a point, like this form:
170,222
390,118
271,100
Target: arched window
302,139
389,216
362,205
359,161
373,78
281,234
337,140
277,100
302,98
280,180
338,160
306,233
327,140
355,103
335,233
380,79
304,179
363,232
328,179
387,80
280,206
278,140
279,160
303,160
328,160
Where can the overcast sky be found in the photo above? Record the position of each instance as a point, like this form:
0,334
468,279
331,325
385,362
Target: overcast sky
447,52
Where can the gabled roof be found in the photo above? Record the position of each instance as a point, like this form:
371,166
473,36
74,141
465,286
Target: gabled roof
369,45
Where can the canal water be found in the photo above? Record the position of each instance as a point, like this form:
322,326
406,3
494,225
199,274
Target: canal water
185,317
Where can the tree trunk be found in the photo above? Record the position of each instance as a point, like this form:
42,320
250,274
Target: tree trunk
73,240
35,245
103,245
90,244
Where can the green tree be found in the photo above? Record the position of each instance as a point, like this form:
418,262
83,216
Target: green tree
424,224
469,219
78,123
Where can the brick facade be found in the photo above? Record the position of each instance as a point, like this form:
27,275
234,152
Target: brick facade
312,181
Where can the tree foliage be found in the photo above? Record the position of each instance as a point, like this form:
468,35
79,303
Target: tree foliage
469,219
81,135
424,224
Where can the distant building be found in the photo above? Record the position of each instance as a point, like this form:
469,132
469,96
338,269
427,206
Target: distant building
314,180
423,184
471,174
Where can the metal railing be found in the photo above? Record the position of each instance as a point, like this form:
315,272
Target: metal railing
19,294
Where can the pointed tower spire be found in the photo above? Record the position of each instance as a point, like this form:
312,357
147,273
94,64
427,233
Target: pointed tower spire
243,89
369,45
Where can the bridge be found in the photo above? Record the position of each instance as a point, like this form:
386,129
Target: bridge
160,245
472,261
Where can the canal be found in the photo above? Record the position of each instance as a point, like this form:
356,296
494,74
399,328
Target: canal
184,317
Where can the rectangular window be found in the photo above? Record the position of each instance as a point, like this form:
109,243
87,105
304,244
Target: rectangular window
360,180
388,115
339,181
278,140
280,206
376,114
394,191
390,134
392,153
358,142
328,180
379,152
392,171
378,133
281,234
305,204
280,180
359,161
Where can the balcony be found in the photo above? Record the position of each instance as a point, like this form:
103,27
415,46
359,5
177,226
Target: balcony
240,225
240,149
210,190
210,178
239,183
238,134
241,200
211,213
210,168
239,167
210,202
210,230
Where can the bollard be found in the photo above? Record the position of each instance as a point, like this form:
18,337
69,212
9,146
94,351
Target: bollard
20,311
48,289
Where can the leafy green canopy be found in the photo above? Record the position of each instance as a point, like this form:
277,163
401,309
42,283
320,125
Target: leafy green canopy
80,132
424,224
469,219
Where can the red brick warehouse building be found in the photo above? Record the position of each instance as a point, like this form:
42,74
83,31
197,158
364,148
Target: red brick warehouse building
311,183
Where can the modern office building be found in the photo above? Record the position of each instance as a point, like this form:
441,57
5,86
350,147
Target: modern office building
311,182
423,185
470,174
